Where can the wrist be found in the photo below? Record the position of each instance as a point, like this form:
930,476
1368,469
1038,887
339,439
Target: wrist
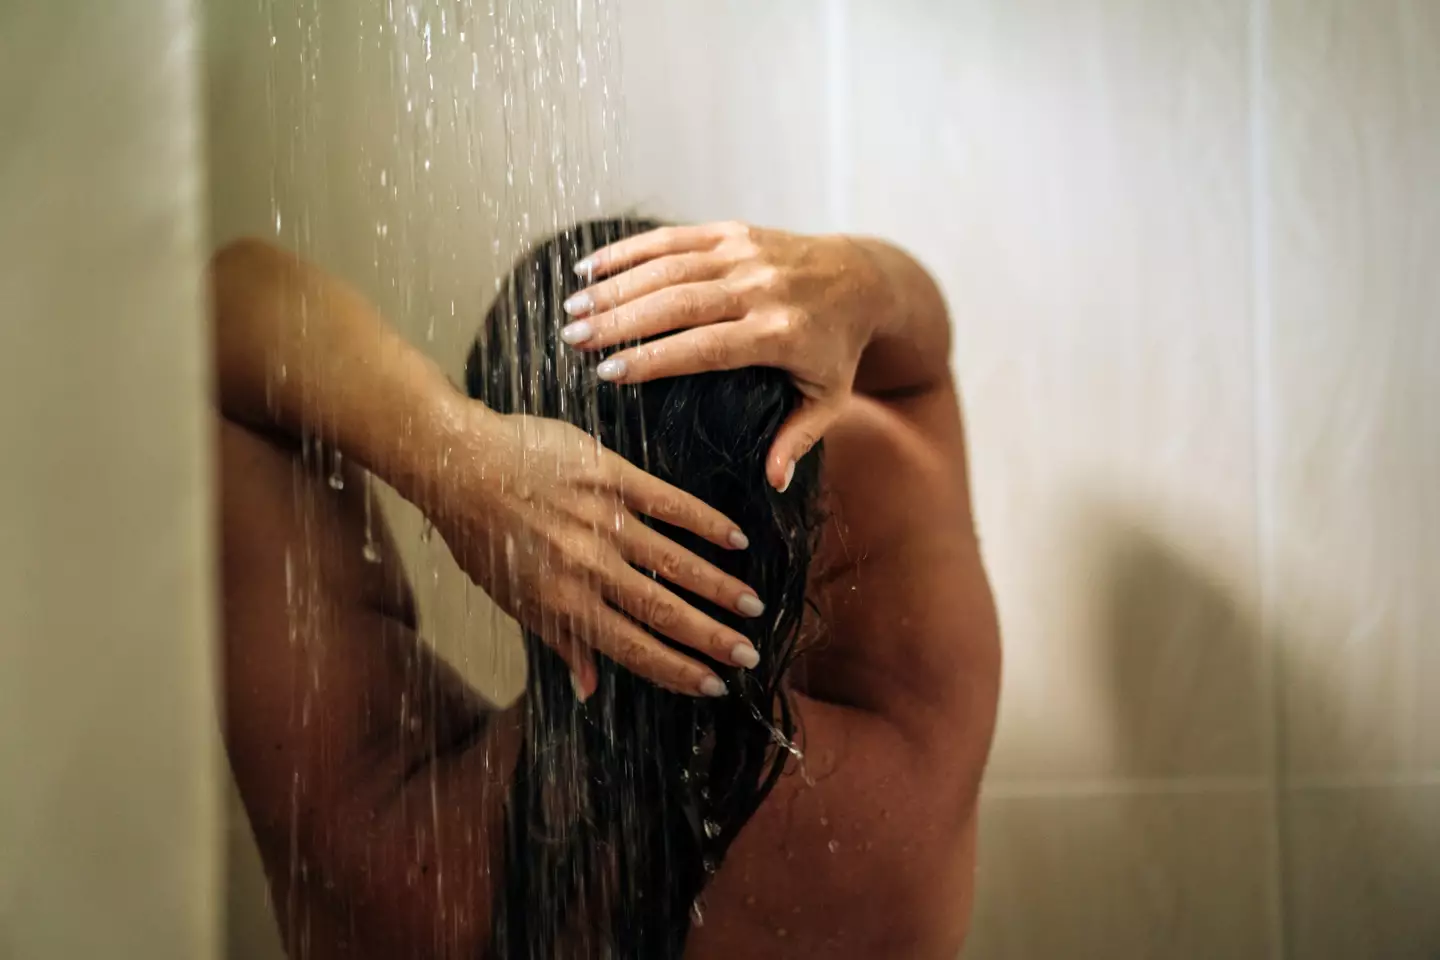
445,442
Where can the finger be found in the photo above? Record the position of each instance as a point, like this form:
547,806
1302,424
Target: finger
648,494
669,271
715,346
673,308
797,437
668,615
651,550
583,676
643,655
624,254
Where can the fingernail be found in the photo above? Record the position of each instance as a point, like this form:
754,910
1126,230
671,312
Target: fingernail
577,686
789,475
739,541
744,655
713,687
577,332
585,268
749,605
611,370
579,305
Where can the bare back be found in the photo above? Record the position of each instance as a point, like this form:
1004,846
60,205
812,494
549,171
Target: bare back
864,850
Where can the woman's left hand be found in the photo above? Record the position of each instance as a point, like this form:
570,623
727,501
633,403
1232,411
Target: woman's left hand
729,296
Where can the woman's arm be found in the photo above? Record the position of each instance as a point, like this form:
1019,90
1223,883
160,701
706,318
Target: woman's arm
534,510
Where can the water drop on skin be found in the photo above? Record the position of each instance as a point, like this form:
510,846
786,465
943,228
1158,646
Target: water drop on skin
834,846
712,829
697,915
370,554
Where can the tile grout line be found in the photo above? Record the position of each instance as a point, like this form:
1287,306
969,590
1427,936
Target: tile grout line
837,116
1261,320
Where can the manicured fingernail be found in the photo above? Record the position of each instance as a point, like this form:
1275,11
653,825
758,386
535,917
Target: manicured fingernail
749,605
577,686
611,370
789,475
739,541
585,268
744,655
579,305
713,687
577,332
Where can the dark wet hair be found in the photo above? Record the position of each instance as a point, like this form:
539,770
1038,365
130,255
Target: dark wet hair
622,808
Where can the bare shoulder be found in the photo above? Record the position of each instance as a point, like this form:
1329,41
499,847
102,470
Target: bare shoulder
899,559
867,849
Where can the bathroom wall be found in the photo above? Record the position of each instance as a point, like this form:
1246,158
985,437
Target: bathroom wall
1187,250
109,766
1184,247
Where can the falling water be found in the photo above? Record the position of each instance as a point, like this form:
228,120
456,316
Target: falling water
418,147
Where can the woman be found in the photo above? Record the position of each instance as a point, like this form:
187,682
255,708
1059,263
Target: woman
397,818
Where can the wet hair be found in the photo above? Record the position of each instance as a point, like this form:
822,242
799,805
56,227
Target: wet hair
622,808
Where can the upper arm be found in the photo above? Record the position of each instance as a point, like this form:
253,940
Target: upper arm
911,626
356,751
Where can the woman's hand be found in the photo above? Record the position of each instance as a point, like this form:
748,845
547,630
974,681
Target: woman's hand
730,296
544,519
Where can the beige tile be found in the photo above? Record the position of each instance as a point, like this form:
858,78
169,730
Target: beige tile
1354,109
724,110
1124,878
1363,873
1075,173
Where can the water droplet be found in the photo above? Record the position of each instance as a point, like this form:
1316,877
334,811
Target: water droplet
697,914
712,829
824,822
781,933
709,866
370,554
337,481
427,530
834,846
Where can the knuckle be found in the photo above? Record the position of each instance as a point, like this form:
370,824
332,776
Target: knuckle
711,348
670,272
688,304
737,228
663,615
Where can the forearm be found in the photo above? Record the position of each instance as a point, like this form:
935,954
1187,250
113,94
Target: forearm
300,354
909,350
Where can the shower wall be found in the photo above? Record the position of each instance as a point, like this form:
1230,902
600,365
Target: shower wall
109,807
1184,246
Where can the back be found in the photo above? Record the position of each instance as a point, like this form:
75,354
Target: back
867,848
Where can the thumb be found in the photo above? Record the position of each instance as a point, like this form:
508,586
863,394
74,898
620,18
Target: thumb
796,437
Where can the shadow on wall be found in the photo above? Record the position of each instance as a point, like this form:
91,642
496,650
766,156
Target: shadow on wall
1359,859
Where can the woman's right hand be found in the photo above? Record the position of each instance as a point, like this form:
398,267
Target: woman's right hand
544,519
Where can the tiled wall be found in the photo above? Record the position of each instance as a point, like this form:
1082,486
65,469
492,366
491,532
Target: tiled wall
1188,247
